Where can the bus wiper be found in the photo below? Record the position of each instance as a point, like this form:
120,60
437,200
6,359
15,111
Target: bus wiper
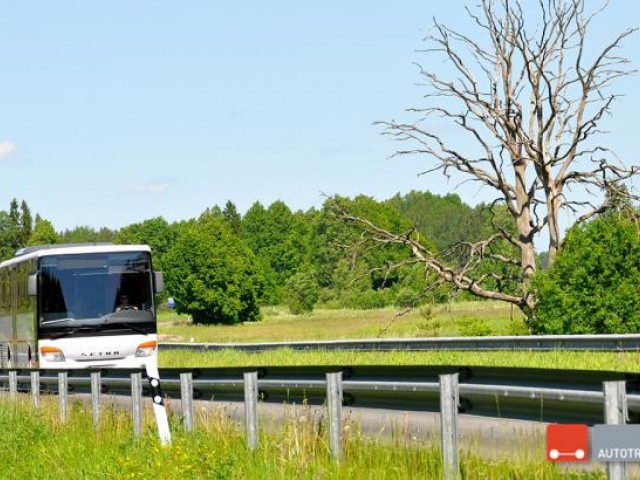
58,320
130,326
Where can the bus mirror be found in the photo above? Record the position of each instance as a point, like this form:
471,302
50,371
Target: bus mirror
32,285
158,281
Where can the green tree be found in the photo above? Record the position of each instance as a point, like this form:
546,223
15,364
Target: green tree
360,276
301,292
43,233
444,220
14,233
12,228
593,285
232,217
280,239
213,277
26,222
6,250
87,234
155,232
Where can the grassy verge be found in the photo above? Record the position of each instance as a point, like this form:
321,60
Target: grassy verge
36,445
621,361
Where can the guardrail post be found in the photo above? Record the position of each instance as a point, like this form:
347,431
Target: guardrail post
95,398
334,400
449,402
186,400
35,388
62,394
136,403
13,385
251,408
615,413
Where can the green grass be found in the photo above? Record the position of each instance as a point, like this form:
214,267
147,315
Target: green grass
620,361
463,318
36,445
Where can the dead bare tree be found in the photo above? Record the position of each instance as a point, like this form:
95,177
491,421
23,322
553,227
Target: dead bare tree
527,96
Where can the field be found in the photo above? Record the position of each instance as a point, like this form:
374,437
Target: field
463,318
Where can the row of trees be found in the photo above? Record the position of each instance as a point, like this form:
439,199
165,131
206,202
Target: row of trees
222,266
18,229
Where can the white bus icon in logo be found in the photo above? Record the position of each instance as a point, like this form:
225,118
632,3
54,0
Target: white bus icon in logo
555,454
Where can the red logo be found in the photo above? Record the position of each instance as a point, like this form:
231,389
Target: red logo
567,443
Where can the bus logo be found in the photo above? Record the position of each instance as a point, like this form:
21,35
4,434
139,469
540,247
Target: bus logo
99,354
567,443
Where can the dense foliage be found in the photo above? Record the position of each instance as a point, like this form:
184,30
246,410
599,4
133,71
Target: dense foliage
302,292
213,277
222,265
593,285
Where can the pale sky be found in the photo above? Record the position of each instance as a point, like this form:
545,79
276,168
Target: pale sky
112,112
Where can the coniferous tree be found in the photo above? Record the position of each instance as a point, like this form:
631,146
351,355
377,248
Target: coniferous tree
26,222
14,234
232,217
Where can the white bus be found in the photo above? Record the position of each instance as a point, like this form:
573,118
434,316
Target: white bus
79,306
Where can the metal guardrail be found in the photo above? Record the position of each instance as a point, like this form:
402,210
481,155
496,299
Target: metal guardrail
611,342
521,393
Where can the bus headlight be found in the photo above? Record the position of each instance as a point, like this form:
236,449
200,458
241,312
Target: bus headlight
51,354
146,349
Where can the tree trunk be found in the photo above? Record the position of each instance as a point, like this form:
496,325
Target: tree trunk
523,224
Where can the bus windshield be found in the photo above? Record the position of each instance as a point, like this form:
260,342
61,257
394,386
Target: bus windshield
96,292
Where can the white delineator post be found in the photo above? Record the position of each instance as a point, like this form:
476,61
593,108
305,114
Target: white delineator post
159,408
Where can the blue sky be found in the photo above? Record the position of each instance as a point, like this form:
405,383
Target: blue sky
112,112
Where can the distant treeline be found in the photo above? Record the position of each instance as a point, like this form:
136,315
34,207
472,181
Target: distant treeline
295,257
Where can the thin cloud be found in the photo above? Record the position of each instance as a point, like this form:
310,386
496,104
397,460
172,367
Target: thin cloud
6,149
149,188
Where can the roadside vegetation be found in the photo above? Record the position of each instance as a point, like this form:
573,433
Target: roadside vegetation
294,449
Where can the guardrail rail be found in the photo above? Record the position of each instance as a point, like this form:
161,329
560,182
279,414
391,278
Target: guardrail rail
522,393
609,342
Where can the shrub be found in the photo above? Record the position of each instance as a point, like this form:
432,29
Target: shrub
368,300
593,285
473,327
301,291
407,298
